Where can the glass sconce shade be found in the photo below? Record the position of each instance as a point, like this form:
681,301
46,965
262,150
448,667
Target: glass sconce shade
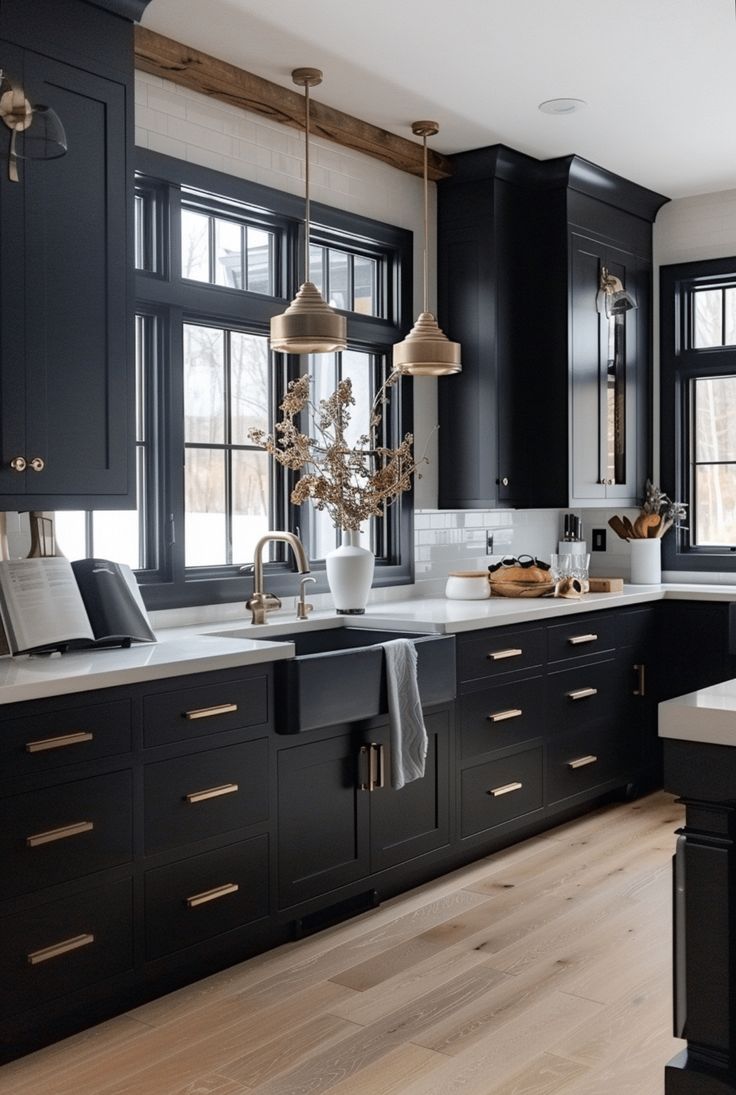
36,131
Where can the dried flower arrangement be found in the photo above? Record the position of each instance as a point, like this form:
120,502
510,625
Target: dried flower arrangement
352,483
657,514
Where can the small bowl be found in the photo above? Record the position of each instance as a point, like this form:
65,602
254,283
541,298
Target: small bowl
467,585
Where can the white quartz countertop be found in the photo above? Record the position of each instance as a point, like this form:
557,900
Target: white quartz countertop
201,648
708,715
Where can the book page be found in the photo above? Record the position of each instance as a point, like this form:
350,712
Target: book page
41,604
112,600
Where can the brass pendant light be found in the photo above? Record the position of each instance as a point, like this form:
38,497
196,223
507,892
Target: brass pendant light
426,350
309,325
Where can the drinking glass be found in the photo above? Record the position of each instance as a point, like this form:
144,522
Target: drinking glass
579,566
560,566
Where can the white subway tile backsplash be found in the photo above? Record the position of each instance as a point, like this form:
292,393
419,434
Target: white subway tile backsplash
167,146
168,100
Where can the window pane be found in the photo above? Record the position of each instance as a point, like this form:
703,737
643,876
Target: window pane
324,536
249,372
69,531
364,286
204,384
707,318
115,535
195,246
140,387
228,254
715,492
358,368
715,418
339,285
730,295
316,275
250,502
260,261
204,502
140,232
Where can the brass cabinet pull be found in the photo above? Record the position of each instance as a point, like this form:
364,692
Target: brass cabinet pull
43,744
211,792
501,716
364,759
212,895
506,789
641,683
498,655
52,835
582,762
575,640
19,463
36,957
377,766
37,464
211,712
581,693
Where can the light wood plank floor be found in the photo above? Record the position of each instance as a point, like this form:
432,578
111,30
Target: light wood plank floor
541,970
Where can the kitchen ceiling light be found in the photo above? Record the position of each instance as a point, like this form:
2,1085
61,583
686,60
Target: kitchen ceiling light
426,350
309,325
562,106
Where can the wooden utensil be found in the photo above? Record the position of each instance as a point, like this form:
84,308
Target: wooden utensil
654,526
618,527
630,534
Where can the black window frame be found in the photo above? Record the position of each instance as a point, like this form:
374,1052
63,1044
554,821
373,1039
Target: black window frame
171,300
680,364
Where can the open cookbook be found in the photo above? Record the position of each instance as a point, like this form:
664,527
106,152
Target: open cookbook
51,604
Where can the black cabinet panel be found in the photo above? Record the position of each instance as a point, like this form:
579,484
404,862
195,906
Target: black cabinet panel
65,945
584,636
588,694
66,831
200,897
500,651
500,790
182,713
190,798
579,761
508,714
38,743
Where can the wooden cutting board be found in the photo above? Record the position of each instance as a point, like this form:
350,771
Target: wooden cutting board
605,585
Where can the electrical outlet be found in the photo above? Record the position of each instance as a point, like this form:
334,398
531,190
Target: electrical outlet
489,542
598,541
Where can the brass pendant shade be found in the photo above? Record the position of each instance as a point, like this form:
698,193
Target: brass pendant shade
426,350
309,325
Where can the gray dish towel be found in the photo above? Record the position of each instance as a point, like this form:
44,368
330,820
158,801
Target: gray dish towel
409,740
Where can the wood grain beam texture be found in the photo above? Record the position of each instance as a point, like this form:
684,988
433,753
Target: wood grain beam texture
198,71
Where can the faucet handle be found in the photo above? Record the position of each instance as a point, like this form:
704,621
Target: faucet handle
303,609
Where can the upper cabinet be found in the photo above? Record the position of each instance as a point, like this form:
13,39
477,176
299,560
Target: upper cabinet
66,349
553,405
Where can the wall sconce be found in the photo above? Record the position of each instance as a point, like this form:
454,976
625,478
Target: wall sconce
37,132
613,299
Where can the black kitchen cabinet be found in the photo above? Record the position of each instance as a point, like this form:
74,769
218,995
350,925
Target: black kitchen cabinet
339,819
67,428
545,413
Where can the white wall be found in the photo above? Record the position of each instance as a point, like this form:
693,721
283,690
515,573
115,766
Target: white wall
190,126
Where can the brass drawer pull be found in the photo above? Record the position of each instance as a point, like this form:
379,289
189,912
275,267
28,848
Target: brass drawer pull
211,712
582,762
212,792
499,655
37,464
212,895
581,693
43,744
59,834
19,463
641,682
501,716
506,789
575,640
36,957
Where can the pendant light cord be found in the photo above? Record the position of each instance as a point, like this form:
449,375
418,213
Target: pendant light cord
426,226
306,182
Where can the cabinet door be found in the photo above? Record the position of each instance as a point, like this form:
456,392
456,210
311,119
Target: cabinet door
71,365
322,819
416,819
609,378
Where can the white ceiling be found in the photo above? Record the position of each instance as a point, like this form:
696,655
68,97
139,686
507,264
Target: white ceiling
659,76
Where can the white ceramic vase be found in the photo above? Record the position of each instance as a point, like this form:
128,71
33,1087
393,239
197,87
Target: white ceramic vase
646,562
350,574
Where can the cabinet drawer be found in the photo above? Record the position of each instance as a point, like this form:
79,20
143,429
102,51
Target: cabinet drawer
65,945
190,798
584,759
193,712
64,832
506,715
197,898
495,653
51,739
500,790
585,695
586,634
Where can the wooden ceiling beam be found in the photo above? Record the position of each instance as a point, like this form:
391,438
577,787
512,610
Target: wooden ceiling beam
199,71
